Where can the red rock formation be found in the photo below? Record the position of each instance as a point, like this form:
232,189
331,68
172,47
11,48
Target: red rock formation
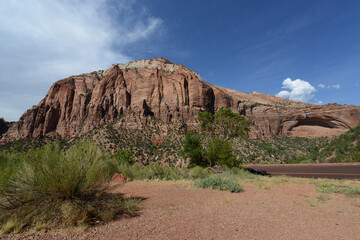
173,93
118,178
4,126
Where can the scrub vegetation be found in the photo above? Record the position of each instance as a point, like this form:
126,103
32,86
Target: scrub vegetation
56,183
47,188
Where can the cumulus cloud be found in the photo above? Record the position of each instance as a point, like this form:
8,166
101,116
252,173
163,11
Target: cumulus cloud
336,86
299,90
43,41
318,101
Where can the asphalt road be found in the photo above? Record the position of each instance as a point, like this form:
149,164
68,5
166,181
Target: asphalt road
338,171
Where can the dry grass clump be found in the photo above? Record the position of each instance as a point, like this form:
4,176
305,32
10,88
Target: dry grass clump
219,183
53,189
338,187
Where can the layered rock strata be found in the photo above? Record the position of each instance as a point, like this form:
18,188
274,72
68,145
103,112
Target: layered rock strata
158,89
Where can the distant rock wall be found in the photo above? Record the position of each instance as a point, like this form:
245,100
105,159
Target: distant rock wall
172,93
4,126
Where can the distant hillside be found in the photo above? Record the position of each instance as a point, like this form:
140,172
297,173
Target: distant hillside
344,148
280,149
151,143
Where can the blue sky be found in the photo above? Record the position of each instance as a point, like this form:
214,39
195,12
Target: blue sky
302,50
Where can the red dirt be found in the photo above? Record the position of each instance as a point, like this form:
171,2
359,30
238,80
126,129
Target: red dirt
118,178
174,210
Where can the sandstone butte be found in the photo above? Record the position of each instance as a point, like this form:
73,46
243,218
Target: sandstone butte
158,89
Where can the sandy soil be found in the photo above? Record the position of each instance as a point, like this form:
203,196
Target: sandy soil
175,210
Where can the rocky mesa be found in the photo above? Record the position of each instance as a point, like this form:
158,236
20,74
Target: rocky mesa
158,89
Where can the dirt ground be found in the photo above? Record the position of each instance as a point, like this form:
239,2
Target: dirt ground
175,210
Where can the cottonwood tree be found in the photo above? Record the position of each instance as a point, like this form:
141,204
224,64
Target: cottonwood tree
224,123
214,148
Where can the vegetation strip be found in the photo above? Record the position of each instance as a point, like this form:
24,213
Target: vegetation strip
67,183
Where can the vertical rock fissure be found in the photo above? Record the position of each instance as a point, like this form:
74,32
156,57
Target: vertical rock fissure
186,88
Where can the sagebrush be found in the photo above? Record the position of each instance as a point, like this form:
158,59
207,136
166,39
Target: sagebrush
50,188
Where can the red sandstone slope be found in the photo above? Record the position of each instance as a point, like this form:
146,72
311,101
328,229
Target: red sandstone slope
173,93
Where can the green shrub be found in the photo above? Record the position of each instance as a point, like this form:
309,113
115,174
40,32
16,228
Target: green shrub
352,191
217,152
206,121
124,156
233,186
151,171
193,149
55,189
323,197
218,183
328,187
8,163
156,171
176,173
220,152
199,172
224,122
209,182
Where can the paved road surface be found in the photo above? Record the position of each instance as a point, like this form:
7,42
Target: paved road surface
339,171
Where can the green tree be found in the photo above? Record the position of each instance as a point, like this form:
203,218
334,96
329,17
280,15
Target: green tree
214,148
193,149
224,123
220,152
206,121
230,124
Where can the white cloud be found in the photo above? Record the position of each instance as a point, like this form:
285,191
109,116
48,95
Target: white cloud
336,86
44,41
318,102
300,90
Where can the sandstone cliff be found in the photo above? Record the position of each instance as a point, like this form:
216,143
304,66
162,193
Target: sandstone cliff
173,93
4,126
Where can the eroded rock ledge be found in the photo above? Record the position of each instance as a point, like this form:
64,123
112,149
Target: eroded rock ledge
172,93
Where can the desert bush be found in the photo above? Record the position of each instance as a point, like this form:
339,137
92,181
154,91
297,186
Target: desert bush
193,149
124,156
157,171
233,186
323,197
351,191
175,173
213,148
199,172
220,152
151,171
54,189
224,123
329,187
218,183
8,163
217,152
206,121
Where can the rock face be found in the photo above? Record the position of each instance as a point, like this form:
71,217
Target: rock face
157,88
4,126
